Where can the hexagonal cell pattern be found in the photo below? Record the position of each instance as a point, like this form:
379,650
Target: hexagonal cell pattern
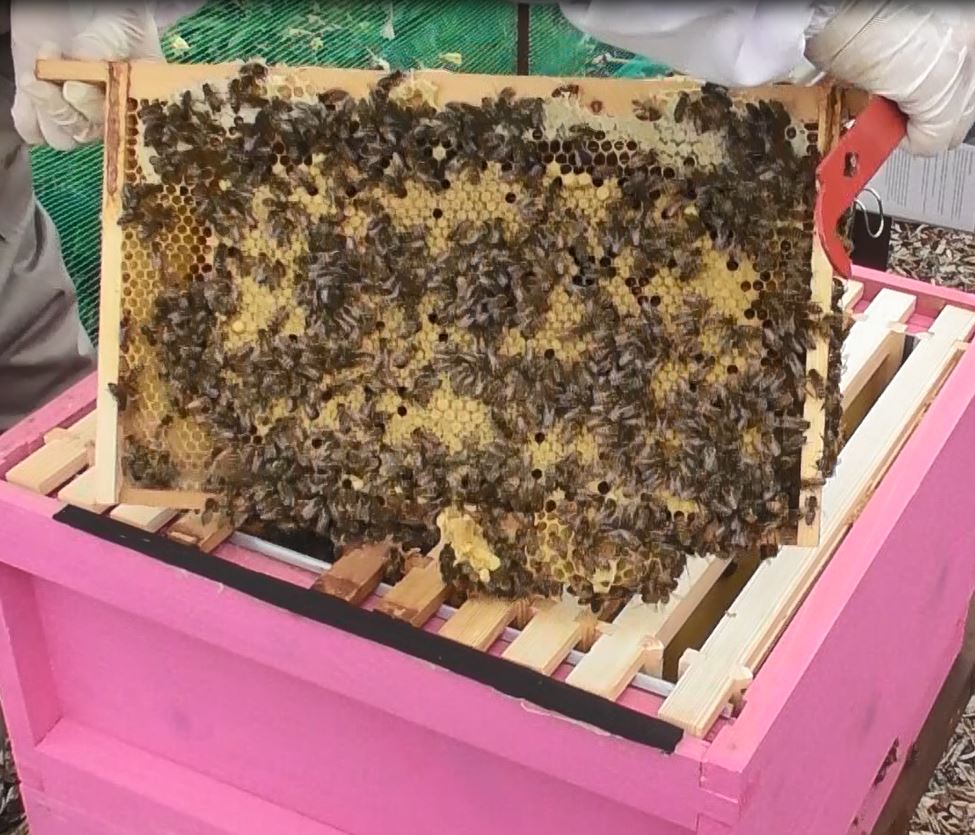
569,344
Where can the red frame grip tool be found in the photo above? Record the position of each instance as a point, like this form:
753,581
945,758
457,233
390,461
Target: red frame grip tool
846,170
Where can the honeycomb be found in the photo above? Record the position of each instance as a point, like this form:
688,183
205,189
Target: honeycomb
567,344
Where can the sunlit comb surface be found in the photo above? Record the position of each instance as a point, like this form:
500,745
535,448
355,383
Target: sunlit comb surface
568,345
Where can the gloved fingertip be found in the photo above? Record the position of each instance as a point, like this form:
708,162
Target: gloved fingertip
92,133
921,142
48,49
25,121
54,134
60,141
87,99
40,92
97,44
88,47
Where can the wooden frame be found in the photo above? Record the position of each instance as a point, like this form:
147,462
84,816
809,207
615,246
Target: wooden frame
822,105
107,463
924,754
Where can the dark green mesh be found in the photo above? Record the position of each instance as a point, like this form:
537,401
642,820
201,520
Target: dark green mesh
557,48
465,35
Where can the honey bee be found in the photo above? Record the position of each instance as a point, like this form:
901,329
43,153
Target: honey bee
148,466
565,90
810,509
124,389
646,112
816,384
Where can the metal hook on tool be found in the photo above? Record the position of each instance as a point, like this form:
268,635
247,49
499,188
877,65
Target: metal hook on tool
880,211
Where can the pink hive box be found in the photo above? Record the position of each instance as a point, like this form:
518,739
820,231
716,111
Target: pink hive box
164,677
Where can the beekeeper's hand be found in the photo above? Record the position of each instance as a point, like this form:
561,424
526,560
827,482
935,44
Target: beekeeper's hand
67,115
918,55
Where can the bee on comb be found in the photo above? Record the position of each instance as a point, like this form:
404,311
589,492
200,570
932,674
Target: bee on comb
567,344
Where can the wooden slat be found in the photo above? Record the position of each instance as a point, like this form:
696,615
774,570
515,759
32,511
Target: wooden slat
356,574
549,636
190,529
178,499
754,622
52,465
417,596
618,656
480,621
871,351
149,519
873,340
154,79
852,293
107,458
640,633
80,492
817,357
814,409
83,430
63,69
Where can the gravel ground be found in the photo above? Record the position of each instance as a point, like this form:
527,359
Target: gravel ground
932,254
949,806
11,809
923,252
947,258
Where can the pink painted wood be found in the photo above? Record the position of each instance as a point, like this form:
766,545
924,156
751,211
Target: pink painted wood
28,435
861,664
931,299
303,715
142,699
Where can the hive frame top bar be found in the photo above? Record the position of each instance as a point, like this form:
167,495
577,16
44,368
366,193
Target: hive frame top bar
157,79
821,104
843,174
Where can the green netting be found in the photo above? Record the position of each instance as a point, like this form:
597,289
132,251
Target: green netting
557,48
464,35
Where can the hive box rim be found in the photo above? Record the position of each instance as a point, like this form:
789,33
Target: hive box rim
726,788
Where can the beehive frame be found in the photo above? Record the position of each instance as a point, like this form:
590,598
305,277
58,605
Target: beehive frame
142,81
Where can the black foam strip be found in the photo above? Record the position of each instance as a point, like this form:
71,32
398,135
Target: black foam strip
505,676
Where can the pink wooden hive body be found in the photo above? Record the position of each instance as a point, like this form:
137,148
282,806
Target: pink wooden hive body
147,700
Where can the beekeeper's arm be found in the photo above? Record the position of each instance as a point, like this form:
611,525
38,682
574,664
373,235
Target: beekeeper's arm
919,55
71,114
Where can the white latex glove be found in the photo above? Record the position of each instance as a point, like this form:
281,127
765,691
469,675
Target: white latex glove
917,55
67,115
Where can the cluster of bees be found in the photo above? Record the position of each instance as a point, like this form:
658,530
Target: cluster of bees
569,347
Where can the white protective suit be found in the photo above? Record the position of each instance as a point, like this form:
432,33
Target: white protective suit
43,347
734,44
920,55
